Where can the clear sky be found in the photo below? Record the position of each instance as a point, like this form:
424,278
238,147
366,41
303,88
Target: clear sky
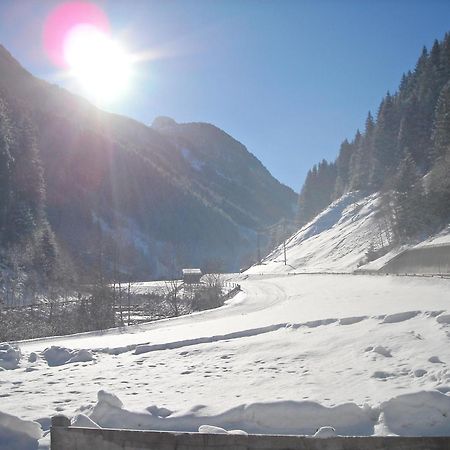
289,79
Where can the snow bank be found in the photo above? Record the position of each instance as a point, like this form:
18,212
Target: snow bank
400,317
425,413
9,356
284,417
109,399
444,318
210,429
83,421
18,434
57,356
325,432
159,412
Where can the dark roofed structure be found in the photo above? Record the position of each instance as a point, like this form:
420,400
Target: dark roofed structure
192,276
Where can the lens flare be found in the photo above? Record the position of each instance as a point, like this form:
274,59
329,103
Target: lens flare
63,19
100,64
77,38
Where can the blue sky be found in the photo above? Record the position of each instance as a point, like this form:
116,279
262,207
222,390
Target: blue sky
289,79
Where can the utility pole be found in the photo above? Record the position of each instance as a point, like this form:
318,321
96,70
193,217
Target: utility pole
258,243
284,241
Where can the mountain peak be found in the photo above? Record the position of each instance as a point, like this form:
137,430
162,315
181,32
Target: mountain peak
162,122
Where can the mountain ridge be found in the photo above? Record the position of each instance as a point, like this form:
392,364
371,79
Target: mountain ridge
110,175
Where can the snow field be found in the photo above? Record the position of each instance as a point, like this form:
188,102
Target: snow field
289,355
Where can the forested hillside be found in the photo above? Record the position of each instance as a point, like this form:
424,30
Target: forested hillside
116,195
404,152
30,259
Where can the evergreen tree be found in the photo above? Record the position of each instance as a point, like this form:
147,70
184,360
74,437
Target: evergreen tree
317,191
343,165
414,134
27,206
5,168
438,198
441,129
385,149
445,58
362,157
408,201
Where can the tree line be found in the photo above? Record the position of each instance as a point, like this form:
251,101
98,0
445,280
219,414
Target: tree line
404,153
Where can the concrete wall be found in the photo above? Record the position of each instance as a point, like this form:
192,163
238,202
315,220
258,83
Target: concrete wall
424,260
68,438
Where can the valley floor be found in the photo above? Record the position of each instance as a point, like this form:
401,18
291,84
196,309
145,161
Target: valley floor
291,353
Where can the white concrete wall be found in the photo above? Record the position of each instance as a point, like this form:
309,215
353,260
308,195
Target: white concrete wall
423,260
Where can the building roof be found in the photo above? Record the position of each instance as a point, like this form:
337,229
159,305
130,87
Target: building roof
192,272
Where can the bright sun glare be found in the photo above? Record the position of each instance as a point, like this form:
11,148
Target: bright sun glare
101,65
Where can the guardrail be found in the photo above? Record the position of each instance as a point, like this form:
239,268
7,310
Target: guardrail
65,437
355,272
232,292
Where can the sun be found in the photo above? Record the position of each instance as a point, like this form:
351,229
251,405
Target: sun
99,64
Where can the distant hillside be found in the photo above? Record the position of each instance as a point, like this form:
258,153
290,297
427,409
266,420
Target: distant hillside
404,153
140,200
336,240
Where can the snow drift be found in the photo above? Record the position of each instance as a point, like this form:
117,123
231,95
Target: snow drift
424,413
9,356
18,434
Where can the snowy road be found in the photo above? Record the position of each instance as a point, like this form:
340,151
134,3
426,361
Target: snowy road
314,346
278,299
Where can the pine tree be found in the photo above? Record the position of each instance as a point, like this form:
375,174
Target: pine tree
317,191
343,165
28,193
5,168
414,134
385,149
408,200
441,130
445,57
362,158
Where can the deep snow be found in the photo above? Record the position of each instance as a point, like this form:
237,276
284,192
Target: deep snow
290,354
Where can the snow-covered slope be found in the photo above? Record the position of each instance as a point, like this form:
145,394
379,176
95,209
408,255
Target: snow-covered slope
335,240
288,355
338,239
442,238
